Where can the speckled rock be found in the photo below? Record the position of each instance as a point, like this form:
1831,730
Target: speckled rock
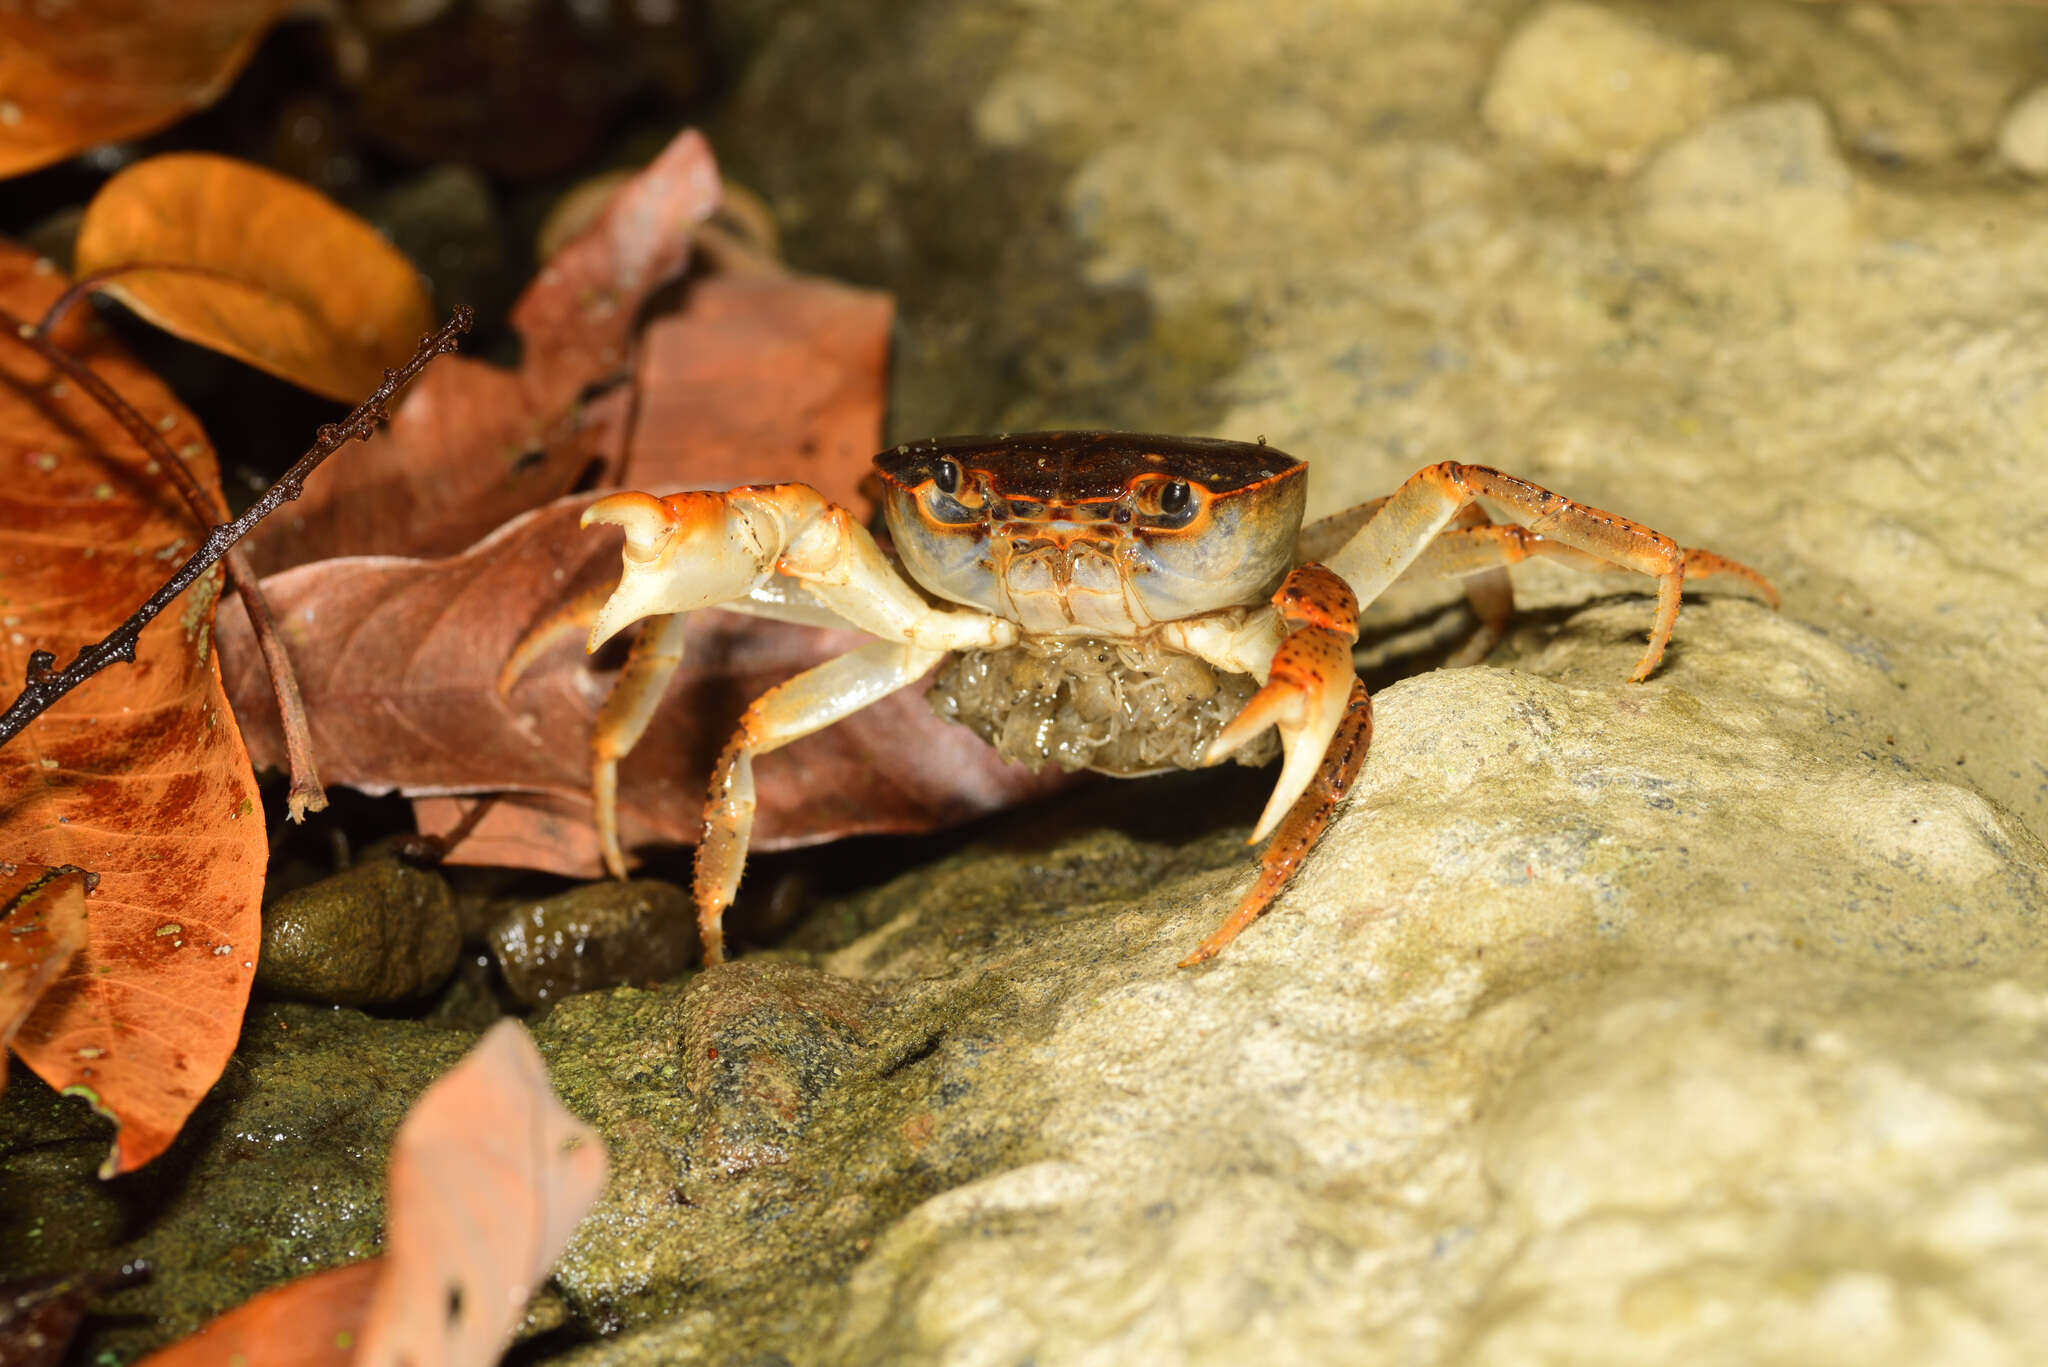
1690,1020
602,934
1585,86
2023,137
382,931
1769,176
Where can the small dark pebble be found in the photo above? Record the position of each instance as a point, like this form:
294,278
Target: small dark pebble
599,935
381,932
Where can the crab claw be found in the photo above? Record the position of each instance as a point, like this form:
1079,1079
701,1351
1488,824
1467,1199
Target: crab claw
686,551
1305,697
1307,689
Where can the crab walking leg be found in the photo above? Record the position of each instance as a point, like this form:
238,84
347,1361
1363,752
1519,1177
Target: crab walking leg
1305,690
1485,550
1303,825
778,550
1491,594
623,719
796,707
1422,507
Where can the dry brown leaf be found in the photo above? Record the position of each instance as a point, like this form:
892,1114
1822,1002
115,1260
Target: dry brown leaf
76,75
473,446
42,924
489,1178
312,1322
398,661
762,378
273,272
579,315
139,774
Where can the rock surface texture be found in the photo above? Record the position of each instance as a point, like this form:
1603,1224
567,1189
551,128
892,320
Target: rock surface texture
1693,1020
1700,1020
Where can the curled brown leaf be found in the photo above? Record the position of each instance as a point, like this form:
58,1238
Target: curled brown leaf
762,378
475,445
258,266
489,1177
42,924
75,75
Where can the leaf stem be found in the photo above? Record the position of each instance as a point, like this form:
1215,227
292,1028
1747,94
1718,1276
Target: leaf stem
45,686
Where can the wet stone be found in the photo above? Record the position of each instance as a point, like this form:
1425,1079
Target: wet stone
762,1053
381,932
603,934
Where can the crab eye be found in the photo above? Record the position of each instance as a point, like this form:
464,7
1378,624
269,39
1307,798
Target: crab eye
950,500
1169,505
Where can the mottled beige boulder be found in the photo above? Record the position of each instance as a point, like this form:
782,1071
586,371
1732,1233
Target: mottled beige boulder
1697,1020
1768,177
1548,1053
1582,85
2023,137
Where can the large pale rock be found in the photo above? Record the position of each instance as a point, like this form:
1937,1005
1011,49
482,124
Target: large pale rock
1581,85
1766,178
2023,137
1547,1049
1683,1021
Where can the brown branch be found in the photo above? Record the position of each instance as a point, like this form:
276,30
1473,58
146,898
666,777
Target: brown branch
45,686
306,794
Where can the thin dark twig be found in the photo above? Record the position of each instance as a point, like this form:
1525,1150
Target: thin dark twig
44,686
306,793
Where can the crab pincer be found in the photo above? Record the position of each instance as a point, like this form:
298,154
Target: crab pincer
1317,701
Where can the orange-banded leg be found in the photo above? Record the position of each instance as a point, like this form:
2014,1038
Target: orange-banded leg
1488,589
796,707
1479,551
1303,824
1403,528
1486,548
1315,698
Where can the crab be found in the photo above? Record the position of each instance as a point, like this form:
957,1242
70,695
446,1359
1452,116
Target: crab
1112,601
